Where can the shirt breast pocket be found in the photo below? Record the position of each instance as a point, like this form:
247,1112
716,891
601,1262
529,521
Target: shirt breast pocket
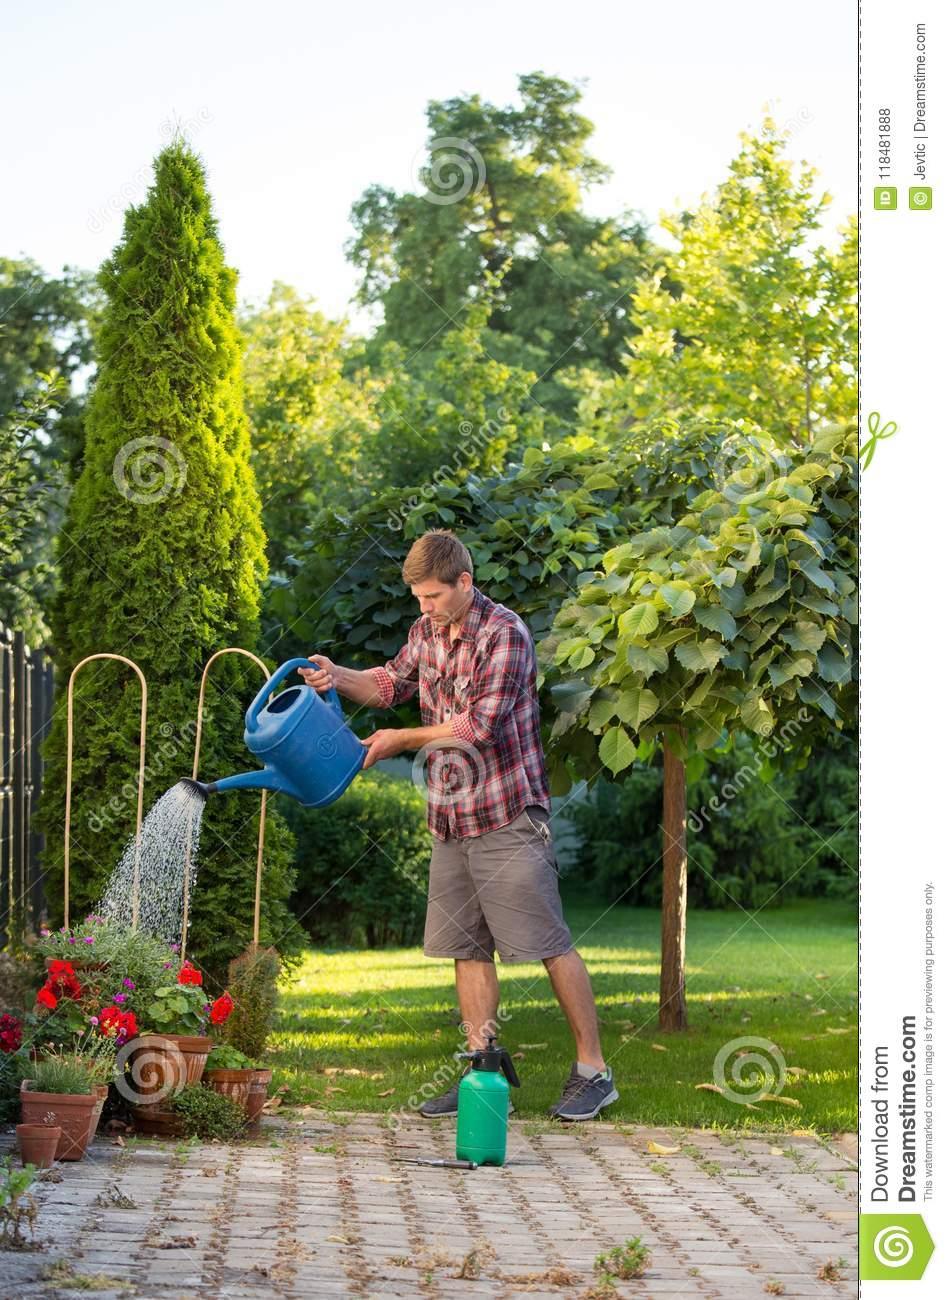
462,692
428,686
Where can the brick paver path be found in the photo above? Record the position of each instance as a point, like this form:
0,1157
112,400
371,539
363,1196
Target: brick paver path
316,1206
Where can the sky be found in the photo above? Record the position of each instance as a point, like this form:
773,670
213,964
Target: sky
295,108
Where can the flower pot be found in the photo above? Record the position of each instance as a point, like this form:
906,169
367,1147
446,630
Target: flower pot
38,1143
78,963
101,1091
73,1113
155,1122
161,1064
258,1094
232,1083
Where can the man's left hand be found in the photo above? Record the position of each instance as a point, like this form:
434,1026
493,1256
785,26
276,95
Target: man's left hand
383,744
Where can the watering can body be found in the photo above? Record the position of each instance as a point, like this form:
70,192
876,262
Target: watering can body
303,740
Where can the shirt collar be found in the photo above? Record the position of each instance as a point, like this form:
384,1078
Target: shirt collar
477,610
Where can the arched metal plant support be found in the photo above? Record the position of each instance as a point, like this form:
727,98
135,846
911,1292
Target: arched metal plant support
230,650
141,781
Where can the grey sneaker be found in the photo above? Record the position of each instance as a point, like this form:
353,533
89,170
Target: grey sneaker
447,1103
585,1098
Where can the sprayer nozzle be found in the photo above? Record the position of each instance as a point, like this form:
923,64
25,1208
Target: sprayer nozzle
198,786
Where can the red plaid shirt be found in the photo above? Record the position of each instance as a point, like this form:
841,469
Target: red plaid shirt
484,682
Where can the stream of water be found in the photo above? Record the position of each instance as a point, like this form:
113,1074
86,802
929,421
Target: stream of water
168,845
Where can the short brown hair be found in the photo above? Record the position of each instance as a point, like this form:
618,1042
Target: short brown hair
439,555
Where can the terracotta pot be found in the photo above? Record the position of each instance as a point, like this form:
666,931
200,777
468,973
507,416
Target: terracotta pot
155,1122
78,963
235,1084
258,1094
73,1112
101,1092
38,1143
161,1064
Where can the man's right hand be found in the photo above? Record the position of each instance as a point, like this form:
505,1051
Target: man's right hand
319,677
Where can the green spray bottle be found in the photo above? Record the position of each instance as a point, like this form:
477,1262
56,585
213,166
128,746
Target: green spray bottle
483,1102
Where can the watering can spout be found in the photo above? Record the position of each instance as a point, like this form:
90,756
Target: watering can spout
266,778
199,787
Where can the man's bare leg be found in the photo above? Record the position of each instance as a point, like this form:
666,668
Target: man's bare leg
573,990
478,998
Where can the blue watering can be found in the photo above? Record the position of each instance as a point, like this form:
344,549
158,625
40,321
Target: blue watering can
303,740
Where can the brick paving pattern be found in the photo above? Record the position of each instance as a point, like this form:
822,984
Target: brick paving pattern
316,1206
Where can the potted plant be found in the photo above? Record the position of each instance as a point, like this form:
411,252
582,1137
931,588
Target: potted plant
253,978
38,1142
62,1085
174,1050
231,1072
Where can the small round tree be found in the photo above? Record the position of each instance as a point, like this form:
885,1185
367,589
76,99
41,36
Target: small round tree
162,557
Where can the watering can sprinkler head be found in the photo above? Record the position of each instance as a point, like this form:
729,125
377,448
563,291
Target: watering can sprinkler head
199,786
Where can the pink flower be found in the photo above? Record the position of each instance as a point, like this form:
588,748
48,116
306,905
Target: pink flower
129,984
72,938
93,1020
120,997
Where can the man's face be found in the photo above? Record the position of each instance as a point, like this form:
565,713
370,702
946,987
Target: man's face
441,601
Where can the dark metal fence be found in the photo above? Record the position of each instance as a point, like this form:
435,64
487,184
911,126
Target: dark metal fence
26,705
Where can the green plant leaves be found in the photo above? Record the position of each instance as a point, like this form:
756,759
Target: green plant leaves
678,597
717,619
636,706
700,656
616,750
640,620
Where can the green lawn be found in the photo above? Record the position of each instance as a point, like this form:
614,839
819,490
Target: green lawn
355,1025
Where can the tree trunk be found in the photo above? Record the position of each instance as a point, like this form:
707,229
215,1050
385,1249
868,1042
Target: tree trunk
672,1013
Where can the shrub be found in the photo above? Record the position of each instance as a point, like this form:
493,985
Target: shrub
362,864
208,1114
747,837
253,983
170,564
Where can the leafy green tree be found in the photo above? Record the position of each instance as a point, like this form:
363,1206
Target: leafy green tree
735,618
163,562
23,499
45,347
309,421
743,319
504,184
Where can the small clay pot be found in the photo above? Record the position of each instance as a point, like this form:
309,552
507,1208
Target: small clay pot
258,1094
155,1122
73,1112
235,1084
38,1143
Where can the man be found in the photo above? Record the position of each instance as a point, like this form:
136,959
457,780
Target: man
494,877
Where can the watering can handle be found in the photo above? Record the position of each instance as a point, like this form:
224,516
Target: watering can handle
266,690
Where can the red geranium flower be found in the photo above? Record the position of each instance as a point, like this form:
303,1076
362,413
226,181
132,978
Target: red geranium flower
47,998
57,968
11,1033
63,980
118,1024
221,1009
189,974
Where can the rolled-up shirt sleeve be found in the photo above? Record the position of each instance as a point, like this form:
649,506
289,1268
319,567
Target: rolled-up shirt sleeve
397,680
501,678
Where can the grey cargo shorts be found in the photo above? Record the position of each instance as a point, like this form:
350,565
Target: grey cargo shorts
497,890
